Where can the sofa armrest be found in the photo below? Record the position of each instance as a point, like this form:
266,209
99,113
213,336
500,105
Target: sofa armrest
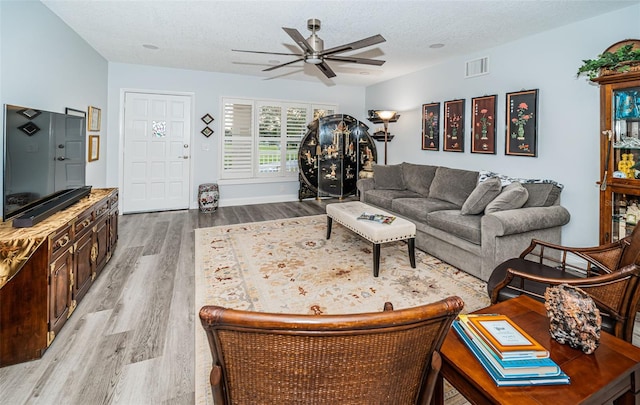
522,220
365,184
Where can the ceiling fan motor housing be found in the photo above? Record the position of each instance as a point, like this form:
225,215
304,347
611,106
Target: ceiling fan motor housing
314,42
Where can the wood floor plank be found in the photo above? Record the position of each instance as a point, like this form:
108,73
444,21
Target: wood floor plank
156,239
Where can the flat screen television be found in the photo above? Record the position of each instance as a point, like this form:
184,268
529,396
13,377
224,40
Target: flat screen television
44,163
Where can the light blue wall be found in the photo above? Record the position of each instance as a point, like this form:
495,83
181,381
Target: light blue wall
568,114
46,65
208,89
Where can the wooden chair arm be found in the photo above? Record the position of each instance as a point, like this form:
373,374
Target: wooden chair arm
576,282
546,253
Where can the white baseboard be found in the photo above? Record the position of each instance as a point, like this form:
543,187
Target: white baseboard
230,202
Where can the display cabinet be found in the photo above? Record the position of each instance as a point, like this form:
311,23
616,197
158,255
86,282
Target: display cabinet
334,153
620,154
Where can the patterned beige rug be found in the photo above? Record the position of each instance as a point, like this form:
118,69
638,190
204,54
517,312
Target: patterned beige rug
287,266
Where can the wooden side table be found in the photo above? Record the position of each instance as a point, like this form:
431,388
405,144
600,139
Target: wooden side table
611,373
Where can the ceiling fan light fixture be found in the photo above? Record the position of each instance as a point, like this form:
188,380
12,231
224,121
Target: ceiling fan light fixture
313,59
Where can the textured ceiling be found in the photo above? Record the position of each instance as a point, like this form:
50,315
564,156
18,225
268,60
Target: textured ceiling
199,35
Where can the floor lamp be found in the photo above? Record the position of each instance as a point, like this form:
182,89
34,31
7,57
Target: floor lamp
386,116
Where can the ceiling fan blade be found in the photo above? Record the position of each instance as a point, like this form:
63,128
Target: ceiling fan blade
356,60
298,38
363,43
324,68
268,53
281,65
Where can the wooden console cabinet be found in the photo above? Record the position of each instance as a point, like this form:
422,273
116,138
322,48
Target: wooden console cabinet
47,269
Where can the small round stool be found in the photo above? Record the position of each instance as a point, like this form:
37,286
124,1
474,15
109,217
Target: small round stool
208,196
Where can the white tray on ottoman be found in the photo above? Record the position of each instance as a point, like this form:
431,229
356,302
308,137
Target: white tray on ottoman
347,213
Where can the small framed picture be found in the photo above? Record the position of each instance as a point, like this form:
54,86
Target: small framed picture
94,147
454,126
522,123
431,126
207,119
483,128
207,131
75,113
93,123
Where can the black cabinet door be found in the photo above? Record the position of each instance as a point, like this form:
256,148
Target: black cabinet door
332,154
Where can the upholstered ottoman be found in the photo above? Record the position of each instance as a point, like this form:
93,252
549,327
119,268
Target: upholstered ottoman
347,214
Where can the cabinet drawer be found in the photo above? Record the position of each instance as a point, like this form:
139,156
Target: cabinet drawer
102,208
84,222
113,200
60,241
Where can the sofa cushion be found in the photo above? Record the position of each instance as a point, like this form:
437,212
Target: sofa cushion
384,198
388,177
482,195
465,227
512,196
453,185
418,208
542,194
418,178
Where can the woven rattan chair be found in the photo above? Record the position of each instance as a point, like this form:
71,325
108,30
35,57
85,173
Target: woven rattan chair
607,272
388,357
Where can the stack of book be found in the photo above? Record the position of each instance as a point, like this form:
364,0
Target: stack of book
509,354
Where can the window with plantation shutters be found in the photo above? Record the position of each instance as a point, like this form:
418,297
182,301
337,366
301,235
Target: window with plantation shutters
262,137
237,143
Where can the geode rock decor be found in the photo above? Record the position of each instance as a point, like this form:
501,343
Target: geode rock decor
574,318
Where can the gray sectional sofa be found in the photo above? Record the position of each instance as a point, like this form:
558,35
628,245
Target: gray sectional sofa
471,220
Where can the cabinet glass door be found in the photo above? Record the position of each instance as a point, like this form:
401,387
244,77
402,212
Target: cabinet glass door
625,215
626,128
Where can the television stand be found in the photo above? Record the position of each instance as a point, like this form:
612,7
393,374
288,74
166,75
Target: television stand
57,202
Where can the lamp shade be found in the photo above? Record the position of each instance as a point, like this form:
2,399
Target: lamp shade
386,115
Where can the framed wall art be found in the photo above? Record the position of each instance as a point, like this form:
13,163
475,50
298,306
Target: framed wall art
431,126
93,123
207,119
75,113
522,123
483,128
454,126
206,131
94,147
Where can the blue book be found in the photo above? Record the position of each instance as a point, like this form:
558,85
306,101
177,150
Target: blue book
501,380
538,366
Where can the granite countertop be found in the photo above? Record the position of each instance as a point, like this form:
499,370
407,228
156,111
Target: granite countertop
18,244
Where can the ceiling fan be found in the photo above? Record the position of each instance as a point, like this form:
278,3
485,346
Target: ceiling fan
313,51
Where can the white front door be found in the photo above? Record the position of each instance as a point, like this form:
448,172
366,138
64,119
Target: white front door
156,152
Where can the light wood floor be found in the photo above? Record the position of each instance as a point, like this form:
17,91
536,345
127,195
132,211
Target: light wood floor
131,339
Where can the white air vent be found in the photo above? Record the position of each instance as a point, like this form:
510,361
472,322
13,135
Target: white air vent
477,67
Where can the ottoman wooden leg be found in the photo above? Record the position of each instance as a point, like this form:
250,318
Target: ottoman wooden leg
412,252
329,223
376,259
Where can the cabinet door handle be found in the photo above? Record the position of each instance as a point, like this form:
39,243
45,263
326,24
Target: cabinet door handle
62,242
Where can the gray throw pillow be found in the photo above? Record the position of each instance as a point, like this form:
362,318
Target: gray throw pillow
512,196
481,196
388,177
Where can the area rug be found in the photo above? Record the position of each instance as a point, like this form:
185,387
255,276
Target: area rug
288,266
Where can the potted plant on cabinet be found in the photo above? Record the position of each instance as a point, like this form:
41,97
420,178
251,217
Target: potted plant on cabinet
621,57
